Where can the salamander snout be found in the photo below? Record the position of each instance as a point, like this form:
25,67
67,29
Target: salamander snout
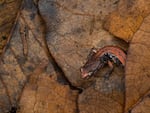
84,73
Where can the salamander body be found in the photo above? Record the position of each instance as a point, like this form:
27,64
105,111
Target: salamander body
100,57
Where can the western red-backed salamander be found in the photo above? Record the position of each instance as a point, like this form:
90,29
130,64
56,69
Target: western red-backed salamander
100,57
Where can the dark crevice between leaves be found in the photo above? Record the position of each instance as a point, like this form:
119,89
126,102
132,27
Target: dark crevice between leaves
77,104
14,105
13,109
61,78
129,111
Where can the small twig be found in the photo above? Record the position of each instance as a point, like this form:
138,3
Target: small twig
24,35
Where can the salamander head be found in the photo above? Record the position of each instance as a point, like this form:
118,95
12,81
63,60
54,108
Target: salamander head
93,64
89,68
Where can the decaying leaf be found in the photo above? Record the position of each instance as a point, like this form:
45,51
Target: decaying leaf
92,101
25,71
40,49
8,17
69,33
73,28
124,22
138,65
43,94
21,57
143,106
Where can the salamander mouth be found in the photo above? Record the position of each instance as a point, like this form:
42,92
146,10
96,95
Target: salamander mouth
85,74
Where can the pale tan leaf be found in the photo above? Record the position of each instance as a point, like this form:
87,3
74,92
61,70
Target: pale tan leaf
126,20
138,65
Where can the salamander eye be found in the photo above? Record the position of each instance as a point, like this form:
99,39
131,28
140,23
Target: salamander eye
104,58
111,56
94,50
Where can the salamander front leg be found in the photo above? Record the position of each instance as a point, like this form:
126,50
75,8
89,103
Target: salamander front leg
108,73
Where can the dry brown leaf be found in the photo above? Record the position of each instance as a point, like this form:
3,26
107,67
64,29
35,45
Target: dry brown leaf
92,101
73,28
43,94
25,71
124,22
8,17
138,65
21,57
143,106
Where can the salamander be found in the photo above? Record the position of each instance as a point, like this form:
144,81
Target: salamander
98,58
